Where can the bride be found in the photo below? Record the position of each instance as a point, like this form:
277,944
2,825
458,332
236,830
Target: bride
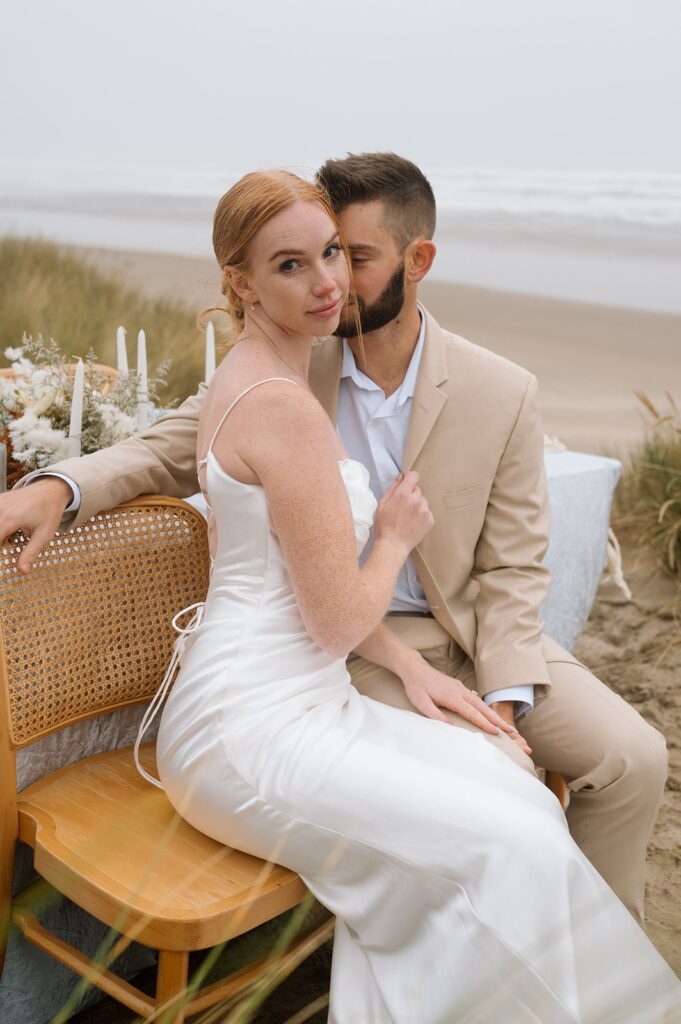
459,894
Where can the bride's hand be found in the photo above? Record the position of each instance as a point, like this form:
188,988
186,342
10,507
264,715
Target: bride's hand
403,514
429,690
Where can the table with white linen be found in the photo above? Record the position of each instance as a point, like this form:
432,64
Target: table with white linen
580,493
580,488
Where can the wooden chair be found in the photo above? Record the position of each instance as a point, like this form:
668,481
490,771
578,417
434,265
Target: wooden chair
558,786
87,631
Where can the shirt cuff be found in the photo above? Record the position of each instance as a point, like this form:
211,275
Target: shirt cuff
75,503
522,695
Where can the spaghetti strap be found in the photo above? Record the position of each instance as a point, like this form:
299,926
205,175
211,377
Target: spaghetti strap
232,404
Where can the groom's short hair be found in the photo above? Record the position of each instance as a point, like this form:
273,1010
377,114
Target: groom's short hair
403,188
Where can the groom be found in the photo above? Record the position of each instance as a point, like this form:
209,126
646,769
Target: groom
467,601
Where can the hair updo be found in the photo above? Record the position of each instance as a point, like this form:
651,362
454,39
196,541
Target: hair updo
242,211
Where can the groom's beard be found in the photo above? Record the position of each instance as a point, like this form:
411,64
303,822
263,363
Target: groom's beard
379,313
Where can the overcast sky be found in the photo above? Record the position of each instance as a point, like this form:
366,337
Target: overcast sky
527,84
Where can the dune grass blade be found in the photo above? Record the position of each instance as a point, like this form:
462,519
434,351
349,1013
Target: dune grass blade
309,1011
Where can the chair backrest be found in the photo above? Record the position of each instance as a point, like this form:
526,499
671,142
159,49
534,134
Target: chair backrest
89,629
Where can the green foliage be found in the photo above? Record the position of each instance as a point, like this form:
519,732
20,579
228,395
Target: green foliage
648,501
45,290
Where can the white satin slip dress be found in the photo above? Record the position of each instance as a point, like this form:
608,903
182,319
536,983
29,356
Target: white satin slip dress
459,894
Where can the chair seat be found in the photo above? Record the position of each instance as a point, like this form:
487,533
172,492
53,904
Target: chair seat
112,843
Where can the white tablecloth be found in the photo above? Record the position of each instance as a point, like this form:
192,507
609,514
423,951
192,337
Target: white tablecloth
580,493
580,488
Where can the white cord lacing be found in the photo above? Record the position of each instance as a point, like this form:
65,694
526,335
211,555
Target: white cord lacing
159,696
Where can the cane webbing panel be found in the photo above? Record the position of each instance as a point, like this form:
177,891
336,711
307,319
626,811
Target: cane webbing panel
90,627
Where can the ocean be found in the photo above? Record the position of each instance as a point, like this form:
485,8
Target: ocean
601,237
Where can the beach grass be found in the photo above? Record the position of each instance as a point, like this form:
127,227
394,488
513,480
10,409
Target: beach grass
44,290
648,499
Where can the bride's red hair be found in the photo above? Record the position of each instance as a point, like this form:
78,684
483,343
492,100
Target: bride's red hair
242,211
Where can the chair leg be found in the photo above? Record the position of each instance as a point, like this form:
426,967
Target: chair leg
171,981
556,783
8,839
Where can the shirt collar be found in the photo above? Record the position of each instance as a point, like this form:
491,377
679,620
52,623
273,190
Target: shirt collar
406,388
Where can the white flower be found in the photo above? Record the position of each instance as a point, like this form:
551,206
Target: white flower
116,421
23,367
8,395
13,353
35,441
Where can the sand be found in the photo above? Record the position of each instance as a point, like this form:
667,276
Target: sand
589,359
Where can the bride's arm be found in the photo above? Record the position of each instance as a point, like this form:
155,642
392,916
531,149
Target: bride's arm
287,439
427,688
383,648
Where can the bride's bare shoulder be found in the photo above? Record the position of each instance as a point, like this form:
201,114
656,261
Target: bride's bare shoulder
260,414
233,378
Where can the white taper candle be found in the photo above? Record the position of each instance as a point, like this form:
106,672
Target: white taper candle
142,392
121,351
76,421
210,352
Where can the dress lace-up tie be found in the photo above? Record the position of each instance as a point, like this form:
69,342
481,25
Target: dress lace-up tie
160,695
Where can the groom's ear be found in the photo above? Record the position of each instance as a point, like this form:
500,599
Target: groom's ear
418,259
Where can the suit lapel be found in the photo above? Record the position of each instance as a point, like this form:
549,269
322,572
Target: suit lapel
428,400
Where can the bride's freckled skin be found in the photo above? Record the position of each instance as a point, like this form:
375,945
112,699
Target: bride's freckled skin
297,274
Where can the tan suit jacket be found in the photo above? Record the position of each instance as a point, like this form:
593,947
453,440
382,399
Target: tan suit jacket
476,440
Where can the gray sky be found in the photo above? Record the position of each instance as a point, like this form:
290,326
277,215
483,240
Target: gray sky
554,84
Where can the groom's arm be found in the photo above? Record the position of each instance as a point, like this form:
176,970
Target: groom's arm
508,565
160,460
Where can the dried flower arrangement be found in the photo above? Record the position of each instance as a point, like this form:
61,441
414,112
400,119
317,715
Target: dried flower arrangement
36,393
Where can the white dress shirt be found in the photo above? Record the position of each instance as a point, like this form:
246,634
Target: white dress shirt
373,430
75,501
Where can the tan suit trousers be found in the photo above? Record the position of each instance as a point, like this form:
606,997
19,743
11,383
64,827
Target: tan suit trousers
613,761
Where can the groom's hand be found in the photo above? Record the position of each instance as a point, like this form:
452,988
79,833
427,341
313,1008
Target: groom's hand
430,690
505,709
36,510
